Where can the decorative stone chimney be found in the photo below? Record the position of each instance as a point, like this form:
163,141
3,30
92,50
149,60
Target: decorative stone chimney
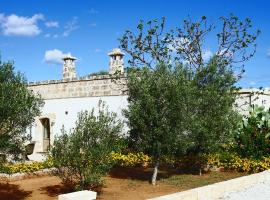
69,70
116,61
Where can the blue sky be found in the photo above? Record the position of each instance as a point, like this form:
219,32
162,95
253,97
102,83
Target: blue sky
35,33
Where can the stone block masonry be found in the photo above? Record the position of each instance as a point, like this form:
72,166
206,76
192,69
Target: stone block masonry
89,86
81,195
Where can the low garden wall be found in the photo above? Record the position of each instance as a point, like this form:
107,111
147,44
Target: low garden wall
25,175
217,190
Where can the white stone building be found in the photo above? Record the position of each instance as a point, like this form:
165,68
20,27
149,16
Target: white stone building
252,96
66,97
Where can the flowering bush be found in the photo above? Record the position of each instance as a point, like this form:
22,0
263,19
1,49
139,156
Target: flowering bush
225,160
25,167
131,159
235,162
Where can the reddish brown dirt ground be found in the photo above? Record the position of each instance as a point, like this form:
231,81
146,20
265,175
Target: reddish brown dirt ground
47,188
121,184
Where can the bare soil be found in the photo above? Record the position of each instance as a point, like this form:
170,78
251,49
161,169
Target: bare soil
120,184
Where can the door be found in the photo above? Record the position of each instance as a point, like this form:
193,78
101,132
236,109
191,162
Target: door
46,133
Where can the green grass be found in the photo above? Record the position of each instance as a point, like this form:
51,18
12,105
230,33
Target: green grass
189,181
184,180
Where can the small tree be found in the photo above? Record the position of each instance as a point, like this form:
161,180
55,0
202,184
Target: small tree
212,117
82,156
18,107
196,109
154,101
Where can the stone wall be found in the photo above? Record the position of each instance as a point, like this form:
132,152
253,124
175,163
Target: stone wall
217,190
89,86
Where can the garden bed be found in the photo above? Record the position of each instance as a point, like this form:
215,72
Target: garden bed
25,175
120,184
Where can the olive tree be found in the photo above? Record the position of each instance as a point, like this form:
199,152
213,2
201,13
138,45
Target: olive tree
18,107
177,97
82,155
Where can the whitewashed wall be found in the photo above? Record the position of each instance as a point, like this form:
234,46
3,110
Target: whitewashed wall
63,112
74,105
62,107
249,97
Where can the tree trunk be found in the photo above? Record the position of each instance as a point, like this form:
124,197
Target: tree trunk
154,176
200,171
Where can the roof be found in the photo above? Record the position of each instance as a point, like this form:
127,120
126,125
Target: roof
69,57
264,91
116,52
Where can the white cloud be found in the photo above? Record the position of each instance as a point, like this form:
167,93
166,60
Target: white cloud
54,56
52,24
71,26
225,53
48,35
93,11
207,54
14,25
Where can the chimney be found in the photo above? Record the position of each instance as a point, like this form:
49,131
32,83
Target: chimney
69,70
116,61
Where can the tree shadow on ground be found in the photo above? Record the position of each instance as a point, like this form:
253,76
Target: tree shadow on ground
12,192
55,190
145,174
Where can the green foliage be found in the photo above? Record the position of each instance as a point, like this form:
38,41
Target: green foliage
179,101
101,72
130,159
151,44
233,161
18,107
211,116
252,137
173,111
155,112
11,168
82,156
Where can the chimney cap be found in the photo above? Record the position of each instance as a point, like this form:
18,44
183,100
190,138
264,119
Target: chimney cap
116,52
68,57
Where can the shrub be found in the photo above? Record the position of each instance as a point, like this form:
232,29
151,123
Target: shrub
230,161
131,159
10,168
101,72
252,137
235,162
82,156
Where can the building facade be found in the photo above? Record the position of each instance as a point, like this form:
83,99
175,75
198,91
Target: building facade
66,97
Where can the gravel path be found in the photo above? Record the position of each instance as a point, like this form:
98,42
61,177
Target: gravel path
260,191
